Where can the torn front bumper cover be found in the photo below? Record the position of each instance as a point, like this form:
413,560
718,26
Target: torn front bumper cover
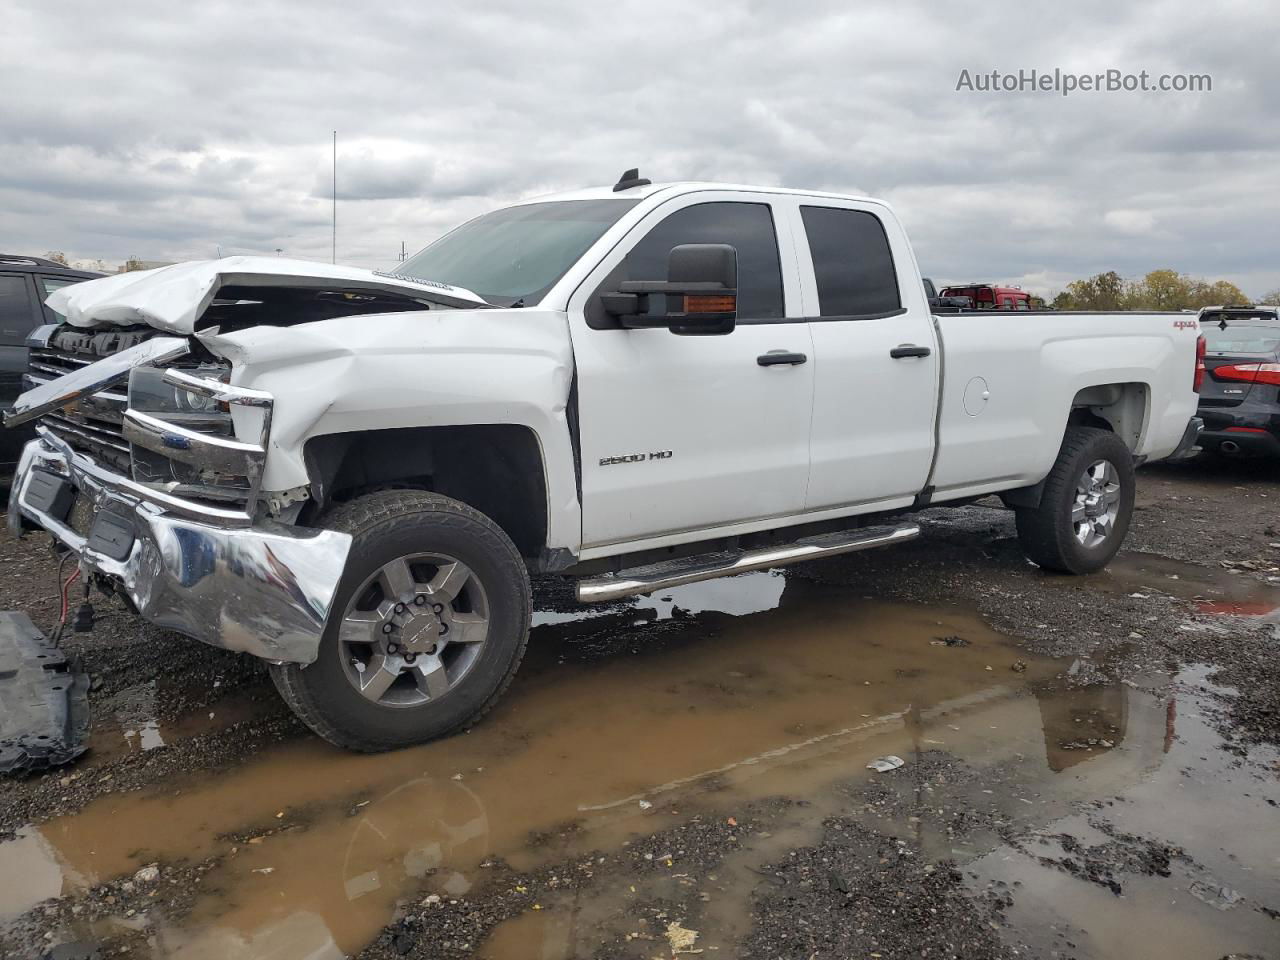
264,589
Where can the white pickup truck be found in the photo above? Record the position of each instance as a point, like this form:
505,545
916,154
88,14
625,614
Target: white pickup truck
351,474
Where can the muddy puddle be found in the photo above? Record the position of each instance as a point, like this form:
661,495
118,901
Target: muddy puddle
1182,862
626,721
1230,590
133,723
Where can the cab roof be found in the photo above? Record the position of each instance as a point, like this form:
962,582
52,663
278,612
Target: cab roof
19,263
678,187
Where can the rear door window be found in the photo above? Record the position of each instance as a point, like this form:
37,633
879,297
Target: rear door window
852,262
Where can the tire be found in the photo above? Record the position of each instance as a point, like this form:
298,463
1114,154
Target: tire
489,620
1049,533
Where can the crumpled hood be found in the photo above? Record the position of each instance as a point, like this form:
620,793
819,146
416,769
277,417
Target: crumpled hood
174,298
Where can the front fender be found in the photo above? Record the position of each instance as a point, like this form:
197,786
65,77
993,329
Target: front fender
420,369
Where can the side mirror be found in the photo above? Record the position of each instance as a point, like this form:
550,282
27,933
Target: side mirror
705,278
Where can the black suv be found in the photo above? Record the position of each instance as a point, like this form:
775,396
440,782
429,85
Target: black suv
24,284
1240,397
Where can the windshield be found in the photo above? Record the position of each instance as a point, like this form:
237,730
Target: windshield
515,255
1241,337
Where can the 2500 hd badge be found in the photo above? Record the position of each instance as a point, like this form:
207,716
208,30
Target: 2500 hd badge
635,458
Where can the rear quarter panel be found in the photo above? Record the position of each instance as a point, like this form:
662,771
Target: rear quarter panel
1032,366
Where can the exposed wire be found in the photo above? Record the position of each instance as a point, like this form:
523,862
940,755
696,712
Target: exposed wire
62,563
66,603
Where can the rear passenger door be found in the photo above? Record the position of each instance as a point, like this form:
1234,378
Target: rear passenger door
876,379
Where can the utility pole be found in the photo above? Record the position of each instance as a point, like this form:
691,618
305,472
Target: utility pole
402,251
335,196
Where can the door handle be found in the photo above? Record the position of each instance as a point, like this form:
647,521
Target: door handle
775,357
909,350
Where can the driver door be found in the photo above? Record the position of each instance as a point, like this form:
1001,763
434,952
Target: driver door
683,436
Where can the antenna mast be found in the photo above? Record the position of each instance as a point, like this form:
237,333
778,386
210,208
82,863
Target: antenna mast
335,196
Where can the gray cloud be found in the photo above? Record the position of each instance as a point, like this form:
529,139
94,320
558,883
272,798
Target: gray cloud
167,131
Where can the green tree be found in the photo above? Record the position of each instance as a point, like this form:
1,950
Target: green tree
1219,293
1103,291
1160,290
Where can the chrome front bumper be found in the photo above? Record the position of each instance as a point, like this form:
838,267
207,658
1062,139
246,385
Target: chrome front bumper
264,589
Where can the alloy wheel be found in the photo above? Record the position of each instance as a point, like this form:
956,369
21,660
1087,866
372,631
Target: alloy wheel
413,630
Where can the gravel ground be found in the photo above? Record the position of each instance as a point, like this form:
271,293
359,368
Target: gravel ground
870,873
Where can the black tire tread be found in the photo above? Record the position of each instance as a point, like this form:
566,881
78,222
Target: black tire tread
361,516
1043,538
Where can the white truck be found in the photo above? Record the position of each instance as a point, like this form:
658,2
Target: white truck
351,474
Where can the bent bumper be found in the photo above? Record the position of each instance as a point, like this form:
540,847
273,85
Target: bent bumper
264,589
1188,445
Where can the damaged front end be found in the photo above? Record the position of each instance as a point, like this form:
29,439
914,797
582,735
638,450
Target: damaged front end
143,468
149,461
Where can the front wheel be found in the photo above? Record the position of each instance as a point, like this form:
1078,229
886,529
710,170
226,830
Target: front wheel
1085,507
427,628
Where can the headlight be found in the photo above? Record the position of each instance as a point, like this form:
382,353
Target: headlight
195,403
149,393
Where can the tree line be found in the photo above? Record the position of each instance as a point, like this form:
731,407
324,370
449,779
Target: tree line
101,266
1158,290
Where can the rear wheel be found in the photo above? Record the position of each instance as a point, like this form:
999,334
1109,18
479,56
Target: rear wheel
427,628
1085,507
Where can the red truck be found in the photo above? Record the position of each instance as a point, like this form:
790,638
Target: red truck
985,296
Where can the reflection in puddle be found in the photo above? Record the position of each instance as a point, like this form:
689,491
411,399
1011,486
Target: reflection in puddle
30,872
1225,840
794,691
1213,590
736,596
133,725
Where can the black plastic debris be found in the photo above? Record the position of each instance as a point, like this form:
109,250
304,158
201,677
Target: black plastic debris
72,951
44,699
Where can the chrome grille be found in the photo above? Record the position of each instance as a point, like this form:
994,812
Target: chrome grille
92,425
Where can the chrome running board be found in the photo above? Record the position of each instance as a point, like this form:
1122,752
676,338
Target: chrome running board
674,573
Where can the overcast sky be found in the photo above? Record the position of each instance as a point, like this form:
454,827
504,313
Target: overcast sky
168,131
